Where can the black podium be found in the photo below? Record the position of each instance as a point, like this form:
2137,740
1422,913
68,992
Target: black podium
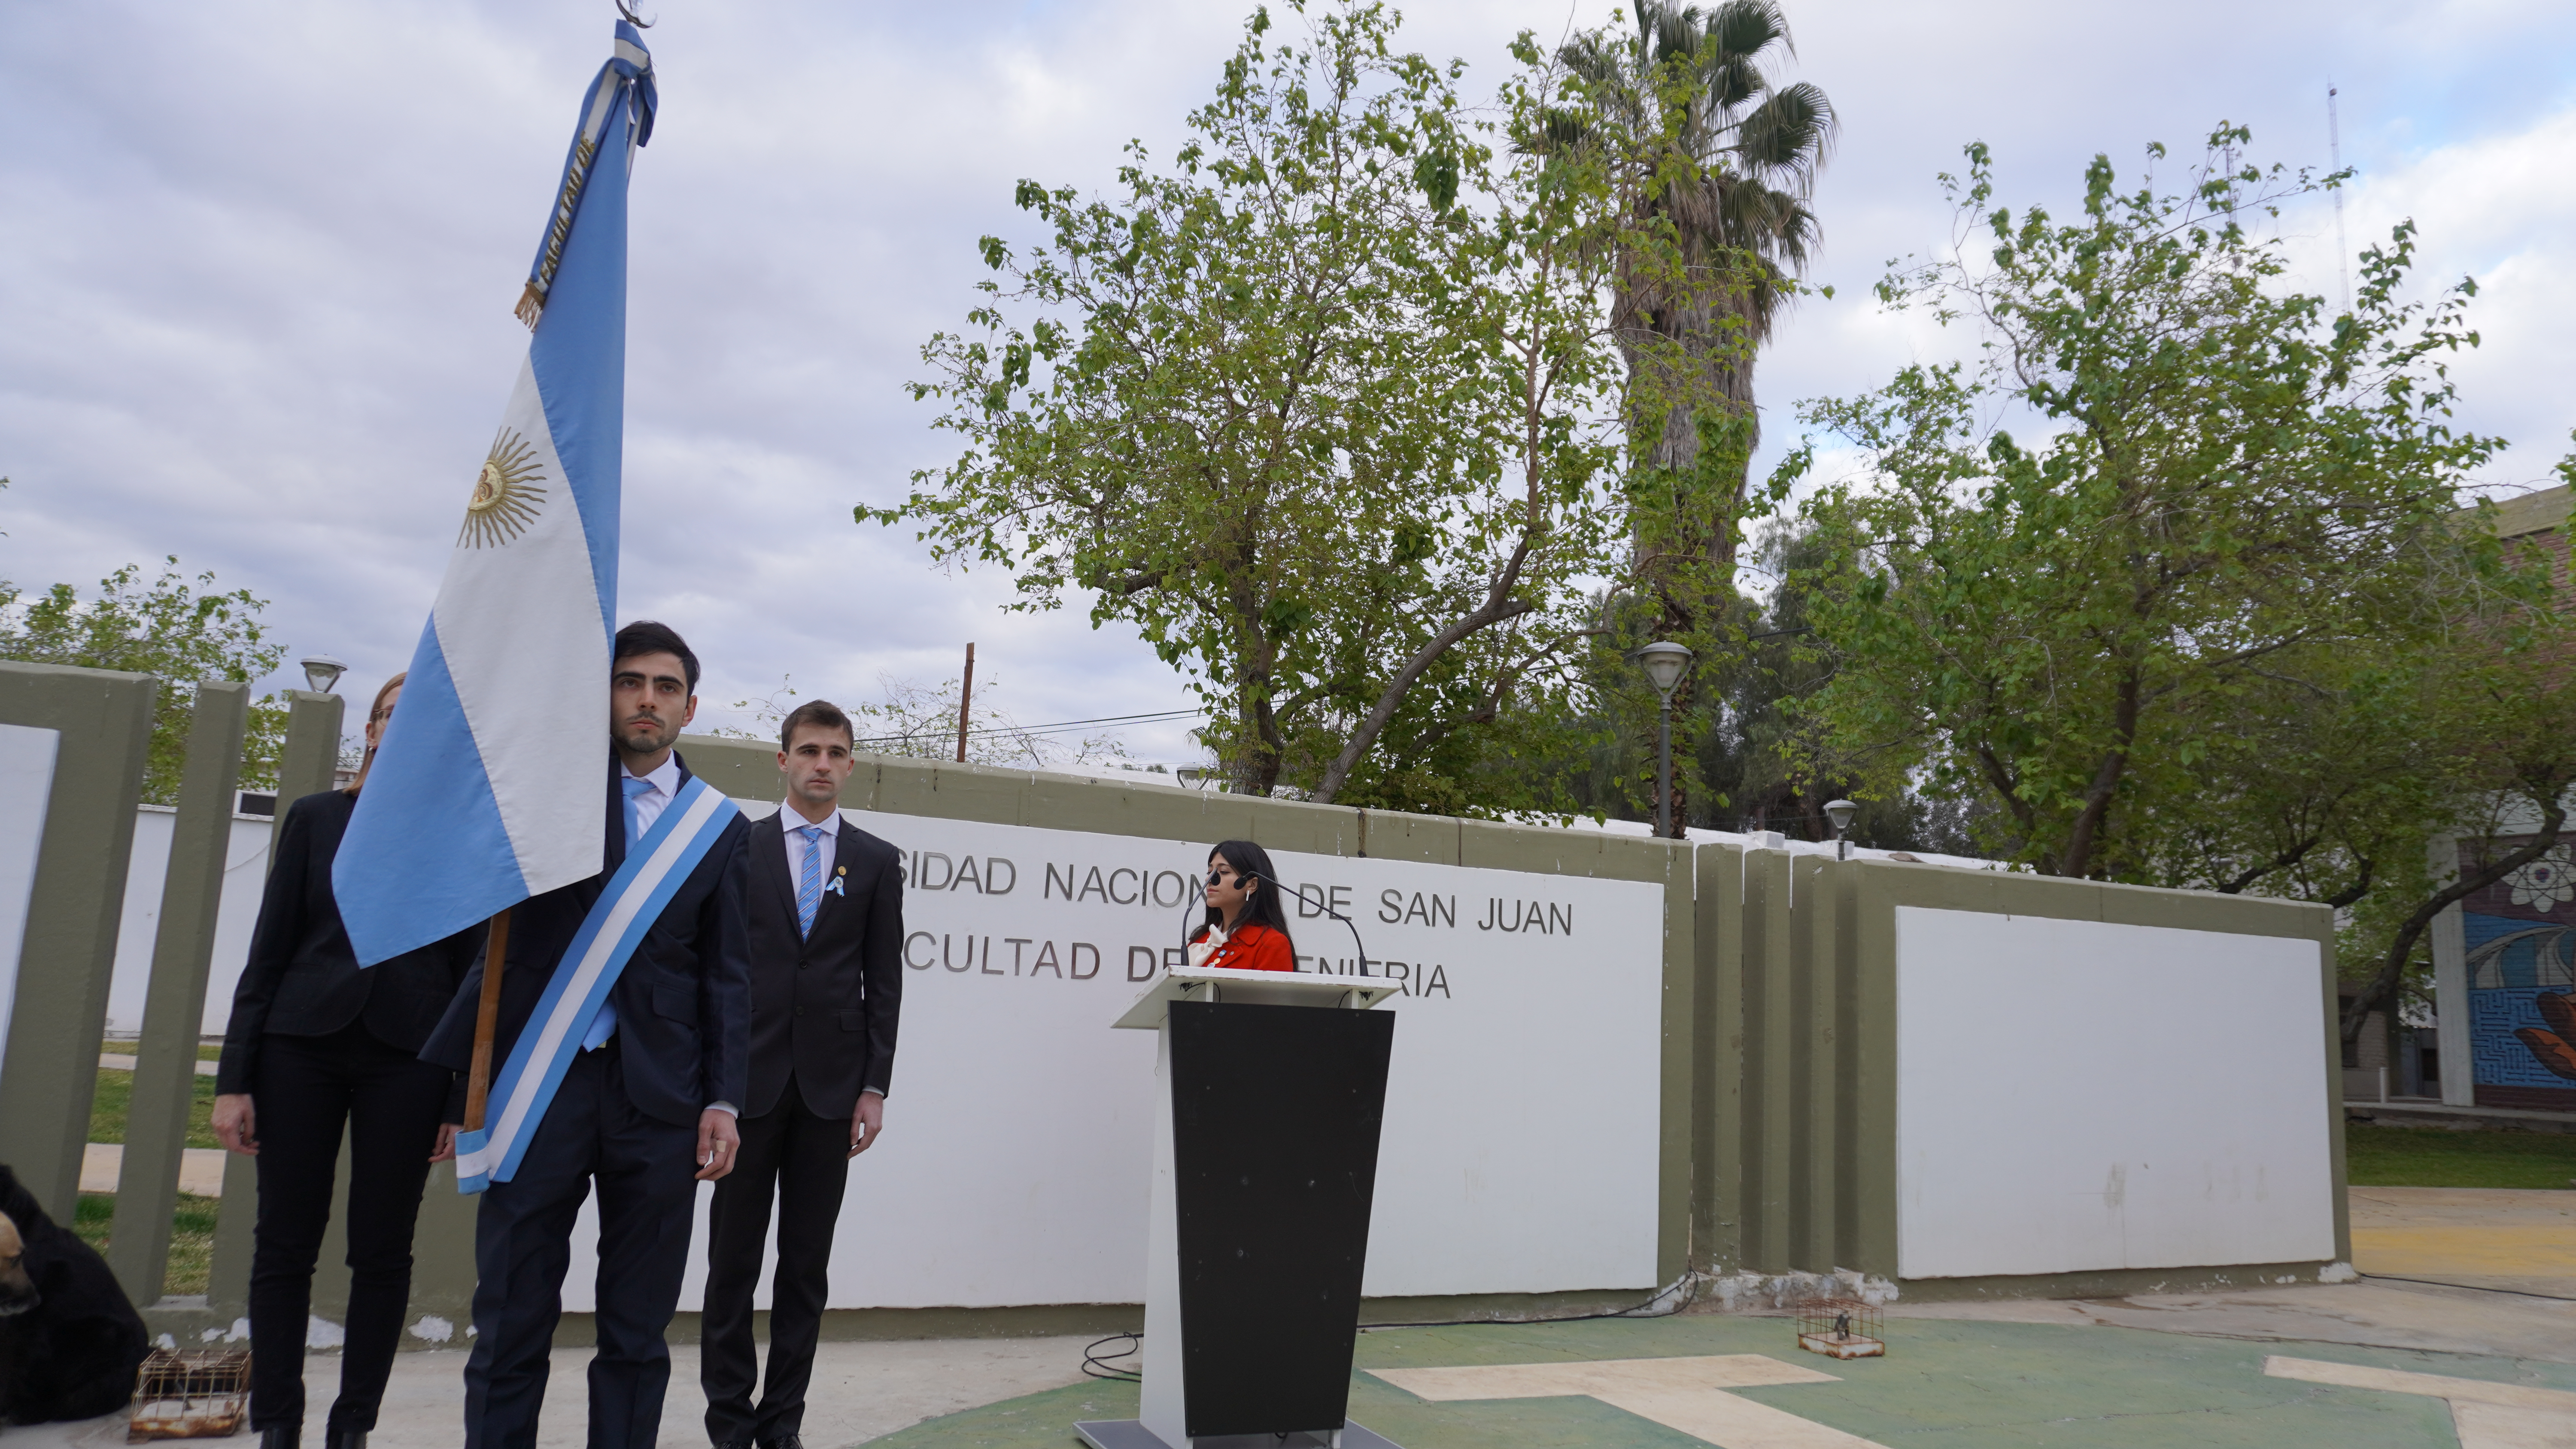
1270,1087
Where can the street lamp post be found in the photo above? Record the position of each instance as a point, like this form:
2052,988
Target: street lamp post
1664,662
322,671
1841,812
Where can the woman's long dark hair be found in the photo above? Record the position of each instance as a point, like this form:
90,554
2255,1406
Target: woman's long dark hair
1268,904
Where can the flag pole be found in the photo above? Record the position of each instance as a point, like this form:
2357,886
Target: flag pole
487,1018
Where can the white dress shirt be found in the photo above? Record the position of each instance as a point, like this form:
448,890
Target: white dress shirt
650,805
790,820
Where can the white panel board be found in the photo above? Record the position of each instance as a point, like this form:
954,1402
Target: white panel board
1523,1116
2075,1096
147,873
26,788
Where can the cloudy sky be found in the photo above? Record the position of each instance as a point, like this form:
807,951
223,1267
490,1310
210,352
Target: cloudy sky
257,262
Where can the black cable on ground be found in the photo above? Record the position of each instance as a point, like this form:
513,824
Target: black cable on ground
2473,1288
1629,1312
1095,1364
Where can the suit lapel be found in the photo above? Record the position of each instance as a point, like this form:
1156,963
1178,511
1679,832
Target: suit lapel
769,848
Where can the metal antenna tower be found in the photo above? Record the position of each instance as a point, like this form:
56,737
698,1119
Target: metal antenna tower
2334,146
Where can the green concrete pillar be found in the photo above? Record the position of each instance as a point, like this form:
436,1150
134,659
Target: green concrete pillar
174,1004
102,723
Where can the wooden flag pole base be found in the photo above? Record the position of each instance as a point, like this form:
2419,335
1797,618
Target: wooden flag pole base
487,1019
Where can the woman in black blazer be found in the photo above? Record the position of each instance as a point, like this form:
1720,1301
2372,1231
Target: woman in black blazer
317,1045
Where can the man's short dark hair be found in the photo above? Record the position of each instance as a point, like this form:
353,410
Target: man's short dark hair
820,713
646,637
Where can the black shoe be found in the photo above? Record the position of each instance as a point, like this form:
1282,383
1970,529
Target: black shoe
281,1436
734,1444
346,1439
785,1441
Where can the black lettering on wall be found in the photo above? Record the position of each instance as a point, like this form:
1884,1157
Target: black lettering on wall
1439,982
1560,924
1091,886
966,872
1046,961
1140,956
994,867
1390,906
1057,883
1073,959
1130,899
1180,889
907,951
956,965
1017,945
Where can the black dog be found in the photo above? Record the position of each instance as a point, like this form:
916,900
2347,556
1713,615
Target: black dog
69,1340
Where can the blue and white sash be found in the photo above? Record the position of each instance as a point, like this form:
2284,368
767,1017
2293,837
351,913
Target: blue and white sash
636,894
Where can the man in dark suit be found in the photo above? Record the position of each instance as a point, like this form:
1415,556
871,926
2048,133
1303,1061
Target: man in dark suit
826,907
646,1108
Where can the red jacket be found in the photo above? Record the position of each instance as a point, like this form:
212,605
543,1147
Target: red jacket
1253,947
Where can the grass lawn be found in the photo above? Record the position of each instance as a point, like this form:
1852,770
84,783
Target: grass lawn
116,1096
207,1051
2378,1156
192,1236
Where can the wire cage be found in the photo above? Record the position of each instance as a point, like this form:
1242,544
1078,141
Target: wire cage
190,1394
1839,1327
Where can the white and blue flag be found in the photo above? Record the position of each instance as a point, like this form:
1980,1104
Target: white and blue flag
488,786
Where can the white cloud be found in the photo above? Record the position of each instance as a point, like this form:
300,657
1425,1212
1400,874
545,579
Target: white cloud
257,261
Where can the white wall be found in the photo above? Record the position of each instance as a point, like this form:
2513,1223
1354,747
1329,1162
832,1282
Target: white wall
1523,1105
245,874
2075,1096
26,787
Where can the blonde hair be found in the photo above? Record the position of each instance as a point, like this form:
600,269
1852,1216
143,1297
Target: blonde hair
375,712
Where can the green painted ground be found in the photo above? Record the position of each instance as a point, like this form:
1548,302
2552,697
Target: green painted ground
2436,1157
1944,1385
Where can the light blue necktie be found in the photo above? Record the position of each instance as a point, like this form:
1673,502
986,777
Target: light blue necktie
809,881
602,1025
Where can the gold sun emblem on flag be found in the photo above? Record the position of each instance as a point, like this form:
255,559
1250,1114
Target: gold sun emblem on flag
506,497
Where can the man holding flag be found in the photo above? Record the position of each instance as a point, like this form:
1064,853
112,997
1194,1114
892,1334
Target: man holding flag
646,1083
613,990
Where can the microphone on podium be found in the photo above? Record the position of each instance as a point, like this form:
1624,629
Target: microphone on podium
1303,896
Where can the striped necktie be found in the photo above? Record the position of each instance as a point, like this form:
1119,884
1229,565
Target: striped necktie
809,881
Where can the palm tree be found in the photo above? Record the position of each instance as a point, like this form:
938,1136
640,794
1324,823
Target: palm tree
1737,165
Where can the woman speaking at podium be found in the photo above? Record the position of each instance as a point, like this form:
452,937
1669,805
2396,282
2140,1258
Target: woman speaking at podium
1247,928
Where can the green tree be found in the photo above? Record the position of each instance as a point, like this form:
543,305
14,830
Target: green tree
1326,409
158,627
2233,485
1719,172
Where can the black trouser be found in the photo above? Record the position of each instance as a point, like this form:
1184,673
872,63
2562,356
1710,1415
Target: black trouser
646,1170
306,1090
807,1159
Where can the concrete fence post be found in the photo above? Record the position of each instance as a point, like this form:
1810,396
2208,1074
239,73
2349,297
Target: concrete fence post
102,723
174,1004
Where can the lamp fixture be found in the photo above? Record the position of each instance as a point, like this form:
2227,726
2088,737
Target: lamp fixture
322,671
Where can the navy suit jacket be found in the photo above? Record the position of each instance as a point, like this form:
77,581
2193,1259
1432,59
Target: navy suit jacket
683,1002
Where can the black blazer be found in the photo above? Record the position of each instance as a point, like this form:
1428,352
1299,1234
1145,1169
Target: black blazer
683,1001
303,978
824,1004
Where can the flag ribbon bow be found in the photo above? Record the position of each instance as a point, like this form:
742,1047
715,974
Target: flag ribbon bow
626,77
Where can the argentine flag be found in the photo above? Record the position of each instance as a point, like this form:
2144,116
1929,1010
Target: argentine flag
488,786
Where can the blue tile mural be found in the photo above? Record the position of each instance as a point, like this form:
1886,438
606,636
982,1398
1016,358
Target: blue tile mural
2521,939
